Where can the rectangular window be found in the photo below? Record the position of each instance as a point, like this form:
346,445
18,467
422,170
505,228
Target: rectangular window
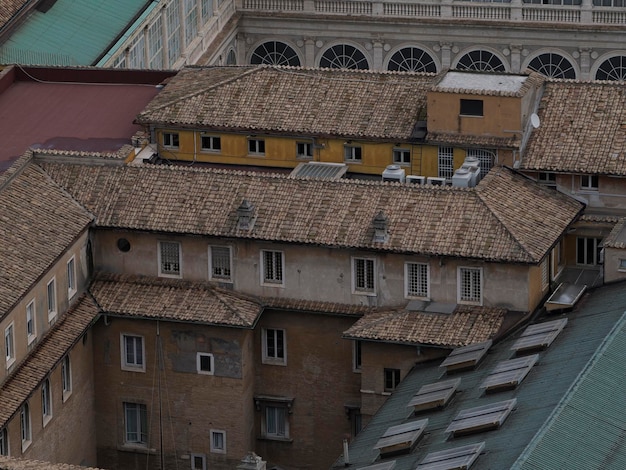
352,153
136,424
416,275
172,23
170,140
218,441
392,379
66,377
588,251
31,325
204,363
356,356
356,421
155,44
256,146
589,182
191,20
276,425
169,259
402,156
25,426
363,275
545,273
471,107
198,462
470,285
207,10
52,299
71,278
274,346
304,150
622,265
211,143
46,401
273,266
220,263
9,345
4,442
133,353
445,160
547,178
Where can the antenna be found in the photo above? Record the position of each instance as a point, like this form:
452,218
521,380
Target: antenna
534,120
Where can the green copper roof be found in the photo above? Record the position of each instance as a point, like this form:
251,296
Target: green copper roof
72,32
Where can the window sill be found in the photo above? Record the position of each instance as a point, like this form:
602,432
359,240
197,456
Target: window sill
52,316
275,439
224,280
10,362
366,293
71,294
274,362
133,369
256,155
272,284
353,161
211,151
66,395
26,445
171,276
46,420
31,339
136,448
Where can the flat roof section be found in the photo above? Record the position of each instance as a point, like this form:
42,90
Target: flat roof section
483,82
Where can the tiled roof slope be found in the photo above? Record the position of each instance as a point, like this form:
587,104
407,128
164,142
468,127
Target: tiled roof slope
10,463
173,299
507,218
616,238
50,350
8,8
583,129
323,102
38,220
466,325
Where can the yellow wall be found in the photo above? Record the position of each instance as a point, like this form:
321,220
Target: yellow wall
500,114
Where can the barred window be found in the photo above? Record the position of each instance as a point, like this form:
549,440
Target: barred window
470,285
446,162
363,273
220,263
272,267
169,262
417,279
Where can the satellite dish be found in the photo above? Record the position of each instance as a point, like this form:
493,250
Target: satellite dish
534,120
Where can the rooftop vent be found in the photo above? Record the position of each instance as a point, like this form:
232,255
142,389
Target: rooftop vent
245,215
381,222
413,179
436,181
462,178
394,173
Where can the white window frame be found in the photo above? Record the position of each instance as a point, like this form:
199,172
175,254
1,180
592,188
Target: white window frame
279,433
170,272
216,449
46,401
51,298
31,321
357,355
4,442
135,365
171,140
9,344
71,277
256,146
369,268
214,141
409,281
352,153
587,182
401,156
226,277
25,426
66,377
199,368
139,422
270,351
445,162
274,277
195,456
469,300
304,150
547,178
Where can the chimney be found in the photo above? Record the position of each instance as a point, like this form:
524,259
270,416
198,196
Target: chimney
245,215
380,228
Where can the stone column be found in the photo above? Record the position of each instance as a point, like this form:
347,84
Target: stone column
309,52
446,56
516,58
585,62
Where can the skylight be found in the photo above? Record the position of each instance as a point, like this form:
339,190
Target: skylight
539,336
401,438
466,357
435,395
458,458
509,374
481,418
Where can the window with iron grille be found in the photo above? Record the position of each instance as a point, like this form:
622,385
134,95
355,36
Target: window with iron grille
416,279
486,159
470,285
272,267
220,260
169,259
445,160
363,275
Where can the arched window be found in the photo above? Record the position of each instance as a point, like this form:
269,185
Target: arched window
275,53
231,58
412,59
483,61
553,66
344,56
486,159
612,69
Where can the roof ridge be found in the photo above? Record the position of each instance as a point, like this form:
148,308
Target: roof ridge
220,297
15,169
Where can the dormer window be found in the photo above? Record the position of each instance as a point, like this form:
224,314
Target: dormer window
471,107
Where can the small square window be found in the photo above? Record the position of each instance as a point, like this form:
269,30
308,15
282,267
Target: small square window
204,363
198,462
170,139
218,441
133,353
52,299
471,107
272,264
71,277
256,146
31,322
547,178
169,259
622,264
220,268
589,182
211,143
304,150
402,156
392,379
274,346
352,153
363,275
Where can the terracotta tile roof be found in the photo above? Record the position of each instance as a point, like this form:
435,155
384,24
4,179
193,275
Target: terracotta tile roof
313,306
466,325
617,237
506,218
322,102
583,129
473,140
38,220
10,463
173,299
8,8
33,370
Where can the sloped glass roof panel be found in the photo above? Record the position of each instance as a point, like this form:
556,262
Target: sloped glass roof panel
466,356
401,435
320,170
380,466
481,418
539,336
508,374
451,459
434,395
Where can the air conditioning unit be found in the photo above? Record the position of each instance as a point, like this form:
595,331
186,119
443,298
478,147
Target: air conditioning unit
413,179
436,181
394,173
462,178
